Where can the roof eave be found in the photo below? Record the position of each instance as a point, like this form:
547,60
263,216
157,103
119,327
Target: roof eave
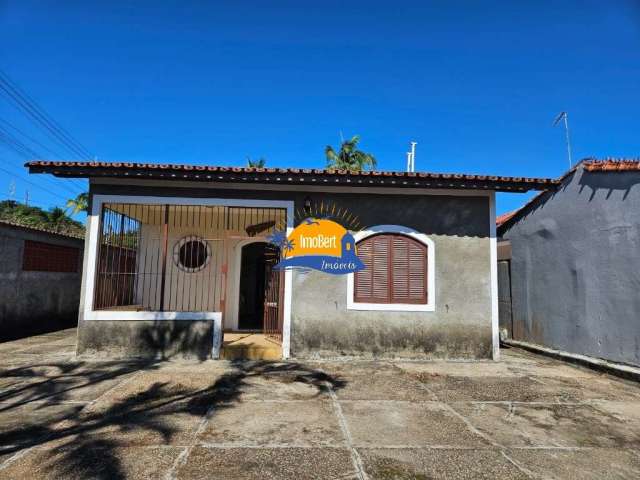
297,177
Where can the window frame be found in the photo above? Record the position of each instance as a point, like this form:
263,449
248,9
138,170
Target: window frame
352,304
177,253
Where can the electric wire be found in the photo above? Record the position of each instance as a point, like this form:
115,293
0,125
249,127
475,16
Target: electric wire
38,115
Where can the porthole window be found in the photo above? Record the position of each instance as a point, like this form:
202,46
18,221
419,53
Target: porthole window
192,254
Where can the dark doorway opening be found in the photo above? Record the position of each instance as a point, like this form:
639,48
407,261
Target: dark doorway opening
253,276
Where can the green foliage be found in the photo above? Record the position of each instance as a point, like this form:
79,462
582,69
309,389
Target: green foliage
259,163
55,219
79,204
349,157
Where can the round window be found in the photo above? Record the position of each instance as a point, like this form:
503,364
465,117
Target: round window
192,254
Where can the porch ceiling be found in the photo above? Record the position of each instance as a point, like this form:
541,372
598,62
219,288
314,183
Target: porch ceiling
290,176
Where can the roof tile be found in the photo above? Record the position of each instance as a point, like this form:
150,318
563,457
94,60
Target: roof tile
453,180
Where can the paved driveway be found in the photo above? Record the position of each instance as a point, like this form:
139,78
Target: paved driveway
524,417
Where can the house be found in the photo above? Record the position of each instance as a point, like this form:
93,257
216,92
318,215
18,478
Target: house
177,254
573,275
40,273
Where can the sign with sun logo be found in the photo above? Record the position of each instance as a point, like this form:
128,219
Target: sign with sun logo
319,242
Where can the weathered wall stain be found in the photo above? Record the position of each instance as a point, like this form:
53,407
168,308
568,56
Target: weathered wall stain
460,327
574,267
34,302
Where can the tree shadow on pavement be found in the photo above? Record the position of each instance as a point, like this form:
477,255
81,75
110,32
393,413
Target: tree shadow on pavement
85,442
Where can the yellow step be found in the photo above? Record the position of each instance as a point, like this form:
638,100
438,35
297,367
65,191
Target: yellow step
254,346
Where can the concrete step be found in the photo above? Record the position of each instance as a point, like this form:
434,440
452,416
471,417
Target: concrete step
253,346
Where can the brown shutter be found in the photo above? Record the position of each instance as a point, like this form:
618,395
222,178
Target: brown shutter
46,257
363,290
395,270
381,280
400,269
417,272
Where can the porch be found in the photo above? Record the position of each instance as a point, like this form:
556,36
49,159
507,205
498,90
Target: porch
179,259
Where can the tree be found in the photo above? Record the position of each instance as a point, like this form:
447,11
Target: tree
57,218
259,163
349,157
79,204
30,216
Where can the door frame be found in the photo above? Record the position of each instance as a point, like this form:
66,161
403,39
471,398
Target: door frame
234,291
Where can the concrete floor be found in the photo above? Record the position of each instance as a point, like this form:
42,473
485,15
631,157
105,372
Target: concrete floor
524,417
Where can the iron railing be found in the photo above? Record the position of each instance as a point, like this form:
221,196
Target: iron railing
172,257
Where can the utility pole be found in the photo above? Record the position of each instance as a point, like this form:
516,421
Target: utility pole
26,197
564,116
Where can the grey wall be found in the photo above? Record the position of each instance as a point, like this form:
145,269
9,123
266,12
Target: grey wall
460,327
34,302
575,267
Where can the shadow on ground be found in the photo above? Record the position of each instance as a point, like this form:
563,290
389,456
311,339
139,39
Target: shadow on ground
84,437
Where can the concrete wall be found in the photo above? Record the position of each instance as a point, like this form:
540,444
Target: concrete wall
575,267
460,326
34,302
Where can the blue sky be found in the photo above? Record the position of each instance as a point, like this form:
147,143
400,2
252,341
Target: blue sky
476,84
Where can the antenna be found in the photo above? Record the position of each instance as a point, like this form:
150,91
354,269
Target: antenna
413,156
564,116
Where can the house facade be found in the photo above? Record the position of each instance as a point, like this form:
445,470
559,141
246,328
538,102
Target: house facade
177,256
571,279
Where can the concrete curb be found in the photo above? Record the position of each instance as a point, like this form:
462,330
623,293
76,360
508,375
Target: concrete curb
618,369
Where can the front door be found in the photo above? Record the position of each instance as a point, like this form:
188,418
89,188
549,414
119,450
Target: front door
253,272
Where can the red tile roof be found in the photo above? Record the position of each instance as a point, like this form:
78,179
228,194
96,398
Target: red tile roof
591,165
612,165
500,219
40,229
298,176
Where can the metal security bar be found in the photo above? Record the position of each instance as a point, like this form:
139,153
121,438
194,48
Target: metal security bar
171,257
273,299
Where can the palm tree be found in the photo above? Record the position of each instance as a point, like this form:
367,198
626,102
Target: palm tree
259,163
79,204
349,157
56,218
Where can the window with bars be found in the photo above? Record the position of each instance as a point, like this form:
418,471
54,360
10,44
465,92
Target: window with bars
159,258
395,270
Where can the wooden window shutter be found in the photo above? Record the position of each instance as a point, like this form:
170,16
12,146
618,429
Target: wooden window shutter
395,270
372,283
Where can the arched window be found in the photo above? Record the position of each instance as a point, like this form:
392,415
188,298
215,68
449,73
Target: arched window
396,270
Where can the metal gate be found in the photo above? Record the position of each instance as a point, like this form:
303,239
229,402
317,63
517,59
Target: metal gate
273,300
504,298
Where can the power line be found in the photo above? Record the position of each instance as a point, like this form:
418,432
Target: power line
17,150
40,114
38,204
20,132
13,143
32,183
37,114
10,139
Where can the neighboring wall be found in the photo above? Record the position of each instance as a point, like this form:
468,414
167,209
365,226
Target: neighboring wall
575,267
35,301
460,327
